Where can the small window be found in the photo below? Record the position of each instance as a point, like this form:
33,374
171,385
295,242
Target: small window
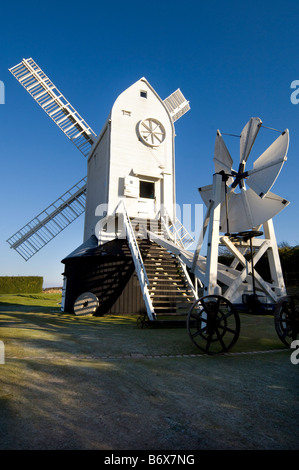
143,94
147,189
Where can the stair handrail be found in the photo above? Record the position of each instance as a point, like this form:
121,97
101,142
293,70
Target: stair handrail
137,258
164,224
175,236
130,235
131,238
170,236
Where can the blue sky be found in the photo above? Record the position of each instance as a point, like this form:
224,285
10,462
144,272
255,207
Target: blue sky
231,62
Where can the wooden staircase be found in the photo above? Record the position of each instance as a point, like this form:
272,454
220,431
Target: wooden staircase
169,288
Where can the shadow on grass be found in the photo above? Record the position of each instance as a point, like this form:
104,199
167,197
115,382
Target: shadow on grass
61,390
34,325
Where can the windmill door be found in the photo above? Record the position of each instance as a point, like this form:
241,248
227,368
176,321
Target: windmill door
141,200
146,200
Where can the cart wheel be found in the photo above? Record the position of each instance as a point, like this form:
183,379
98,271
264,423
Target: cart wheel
286,319
213,324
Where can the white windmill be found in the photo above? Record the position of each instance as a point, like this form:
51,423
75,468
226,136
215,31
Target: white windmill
130,187
234,219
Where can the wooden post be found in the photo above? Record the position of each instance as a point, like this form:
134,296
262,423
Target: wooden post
210,284
274,260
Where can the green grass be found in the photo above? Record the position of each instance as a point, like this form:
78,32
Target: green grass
40,299
111,334
72,382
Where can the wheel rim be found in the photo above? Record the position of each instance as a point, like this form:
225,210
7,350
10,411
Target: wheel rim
152,132
286,319
213,324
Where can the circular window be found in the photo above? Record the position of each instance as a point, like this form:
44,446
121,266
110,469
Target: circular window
151,132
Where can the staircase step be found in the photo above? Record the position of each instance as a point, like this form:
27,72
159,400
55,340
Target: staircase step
167,280
163,270
163,283
169,290
172,304
170,295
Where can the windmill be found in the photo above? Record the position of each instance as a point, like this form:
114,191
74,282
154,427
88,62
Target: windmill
130,181
135,253
239,203
232,212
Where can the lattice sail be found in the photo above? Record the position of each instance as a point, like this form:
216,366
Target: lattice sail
49,223
176,104
52,101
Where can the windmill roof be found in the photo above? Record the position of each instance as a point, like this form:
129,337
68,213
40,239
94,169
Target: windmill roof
91,248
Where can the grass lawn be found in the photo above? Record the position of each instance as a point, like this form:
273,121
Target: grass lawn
43,312
72,382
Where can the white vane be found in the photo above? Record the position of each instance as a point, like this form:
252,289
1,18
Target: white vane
52,101
246,208
50,222
176,104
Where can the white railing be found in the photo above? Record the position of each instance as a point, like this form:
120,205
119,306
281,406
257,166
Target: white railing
172,232
128,232
175,231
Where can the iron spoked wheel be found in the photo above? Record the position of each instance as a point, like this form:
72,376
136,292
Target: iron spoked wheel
286,319
213,324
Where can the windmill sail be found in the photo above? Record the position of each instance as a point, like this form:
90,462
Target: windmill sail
222,159
254,205
267,167
247,210
52,101
49,223
248,136
176,104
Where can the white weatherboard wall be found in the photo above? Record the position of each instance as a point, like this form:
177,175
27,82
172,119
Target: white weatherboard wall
97,180
120,152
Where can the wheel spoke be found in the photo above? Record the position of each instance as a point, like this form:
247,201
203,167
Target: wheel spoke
208,344
286,332
229,330
226,315
198,317
220,339
199,332
148,129
158,139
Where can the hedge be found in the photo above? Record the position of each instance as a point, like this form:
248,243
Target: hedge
20,284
